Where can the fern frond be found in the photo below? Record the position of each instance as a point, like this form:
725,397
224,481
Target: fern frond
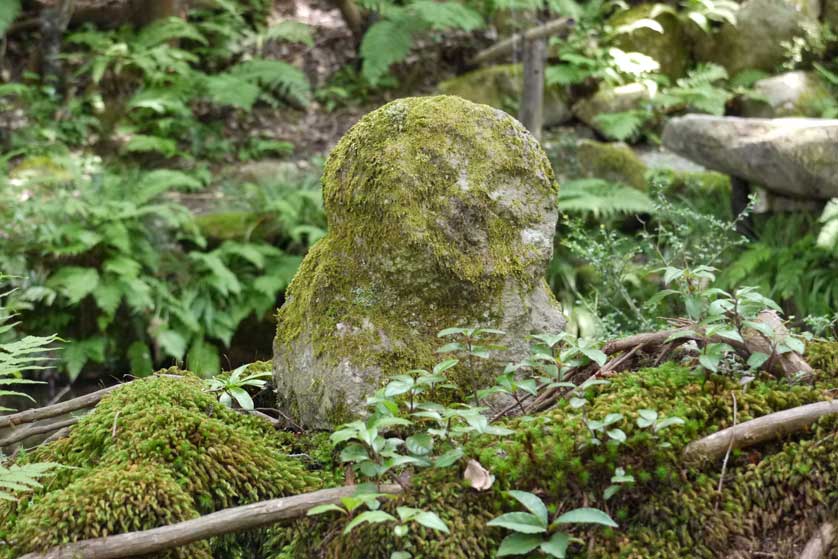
169,29
385,43
622,126
9,10
274,74
446,15
602,198
17,478
291,31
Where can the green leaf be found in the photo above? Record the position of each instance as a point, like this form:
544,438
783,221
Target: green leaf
385,42
203,358
557,545
75,282
522,522
242,397
320,509
757,359
595,355
139,357
448,458
420,443
518,544
532,503
9,10
586,516
371,517
431,520
617,435
172,343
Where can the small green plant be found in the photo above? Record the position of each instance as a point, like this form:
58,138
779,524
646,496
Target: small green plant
619,480
366,496
533,530
232,386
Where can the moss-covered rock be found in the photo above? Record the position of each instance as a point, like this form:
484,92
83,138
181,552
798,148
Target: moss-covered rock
155,451
789,94
500,87
614,162
756,41
442,213
670,49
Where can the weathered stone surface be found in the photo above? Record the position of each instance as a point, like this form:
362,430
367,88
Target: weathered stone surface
790,94
614,162
610,100
755,42
795,157
500,87
670,49
442,213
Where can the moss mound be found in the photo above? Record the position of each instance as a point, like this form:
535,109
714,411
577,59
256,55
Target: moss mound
156,450
613,162
671,511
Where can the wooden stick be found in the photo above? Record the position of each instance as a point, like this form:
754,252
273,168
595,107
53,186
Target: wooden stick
82,402
554,27
156,540
819,545
757,431
36,414
20,434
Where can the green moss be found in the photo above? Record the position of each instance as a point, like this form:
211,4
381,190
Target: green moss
670,512
613,162
823,355
109,500
171,440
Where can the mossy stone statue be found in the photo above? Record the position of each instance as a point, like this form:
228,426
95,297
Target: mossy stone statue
441,213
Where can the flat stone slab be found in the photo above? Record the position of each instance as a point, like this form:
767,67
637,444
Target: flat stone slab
795,157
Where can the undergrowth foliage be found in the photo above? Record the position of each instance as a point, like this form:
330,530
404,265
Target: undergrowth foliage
123,269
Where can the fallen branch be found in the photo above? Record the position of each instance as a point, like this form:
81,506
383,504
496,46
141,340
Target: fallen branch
37,414
757,431
555,27
20,434
819,545
156,540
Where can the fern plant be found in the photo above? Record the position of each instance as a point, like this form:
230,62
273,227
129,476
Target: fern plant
9,10
19,356
106,258
602,199
390,39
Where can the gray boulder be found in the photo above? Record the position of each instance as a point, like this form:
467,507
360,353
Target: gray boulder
789,94
795,157
441,213
756,41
